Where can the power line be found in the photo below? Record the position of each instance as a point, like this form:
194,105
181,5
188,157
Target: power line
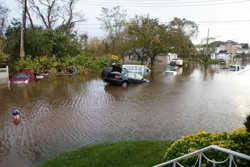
228,21
162,4
151,2
209,21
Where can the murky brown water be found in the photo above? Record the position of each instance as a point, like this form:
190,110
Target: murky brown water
61,114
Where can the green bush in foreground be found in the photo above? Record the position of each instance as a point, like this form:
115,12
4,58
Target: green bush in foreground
237,140
247,123
122,154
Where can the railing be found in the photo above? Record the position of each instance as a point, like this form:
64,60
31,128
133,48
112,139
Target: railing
199,159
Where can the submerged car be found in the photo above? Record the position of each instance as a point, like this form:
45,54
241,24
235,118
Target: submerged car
123,78
235,67
24,77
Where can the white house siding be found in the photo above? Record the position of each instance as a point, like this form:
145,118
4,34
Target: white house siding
160,59
4,72
4,77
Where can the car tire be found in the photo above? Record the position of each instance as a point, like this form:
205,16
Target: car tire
124,84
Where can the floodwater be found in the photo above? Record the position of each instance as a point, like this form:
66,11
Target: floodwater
65,113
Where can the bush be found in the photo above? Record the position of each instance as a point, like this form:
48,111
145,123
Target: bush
83,62
39,64
247,123
92,63
236,140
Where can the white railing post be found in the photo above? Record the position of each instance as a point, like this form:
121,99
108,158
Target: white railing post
231,160
200,157
200,152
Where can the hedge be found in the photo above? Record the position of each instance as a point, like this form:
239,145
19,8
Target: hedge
237,140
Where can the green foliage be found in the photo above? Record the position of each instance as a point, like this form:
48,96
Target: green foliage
4,58
181,31
113,21
122,154
91,63
42,42
146,38
27,63
202,60
38,64
83,62
12,41
247,123
213,61
236,140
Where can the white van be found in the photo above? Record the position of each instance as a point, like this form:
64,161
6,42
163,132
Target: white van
139,69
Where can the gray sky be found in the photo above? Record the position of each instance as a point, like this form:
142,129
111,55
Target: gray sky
225,19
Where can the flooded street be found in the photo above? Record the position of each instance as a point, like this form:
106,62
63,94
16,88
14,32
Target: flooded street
65,113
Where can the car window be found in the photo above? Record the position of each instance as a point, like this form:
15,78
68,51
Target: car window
130,75
21,76
129,67
137,76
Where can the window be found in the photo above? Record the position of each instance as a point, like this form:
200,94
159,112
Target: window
130,75
137,76
129,67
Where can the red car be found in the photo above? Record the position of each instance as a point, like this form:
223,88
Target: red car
23,77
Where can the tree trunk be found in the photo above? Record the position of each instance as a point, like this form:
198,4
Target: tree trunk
23,27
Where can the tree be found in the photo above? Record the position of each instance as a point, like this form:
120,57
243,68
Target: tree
23,28
147,38
185,27
182,31
113,21
49,15
94,45
70,17
3,17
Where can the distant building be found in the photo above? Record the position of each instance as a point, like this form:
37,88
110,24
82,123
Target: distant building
227,51
134,57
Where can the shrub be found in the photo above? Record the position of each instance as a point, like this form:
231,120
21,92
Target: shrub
247,123
236,140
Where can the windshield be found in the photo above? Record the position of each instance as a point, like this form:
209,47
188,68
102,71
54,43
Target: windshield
21,75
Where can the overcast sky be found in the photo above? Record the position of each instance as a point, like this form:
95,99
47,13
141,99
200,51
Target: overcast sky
225,19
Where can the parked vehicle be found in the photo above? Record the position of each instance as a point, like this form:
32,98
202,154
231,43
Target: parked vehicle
139,69
23,77
176,62
173,68
123,79
170,73
235,67
70,70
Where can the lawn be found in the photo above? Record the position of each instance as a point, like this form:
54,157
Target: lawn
120,154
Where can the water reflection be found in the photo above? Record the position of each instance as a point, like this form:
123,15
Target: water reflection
60,114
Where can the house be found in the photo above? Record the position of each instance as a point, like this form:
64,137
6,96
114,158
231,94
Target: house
245,48
4,77
222,55
161,59
228,50
131,56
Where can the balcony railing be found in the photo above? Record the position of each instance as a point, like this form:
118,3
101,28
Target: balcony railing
230,158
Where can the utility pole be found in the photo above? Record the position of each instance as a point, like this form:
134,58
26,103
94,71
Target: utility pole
23,26
207,46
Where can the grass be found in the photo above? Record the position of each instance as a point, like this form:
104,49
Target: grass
122,154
